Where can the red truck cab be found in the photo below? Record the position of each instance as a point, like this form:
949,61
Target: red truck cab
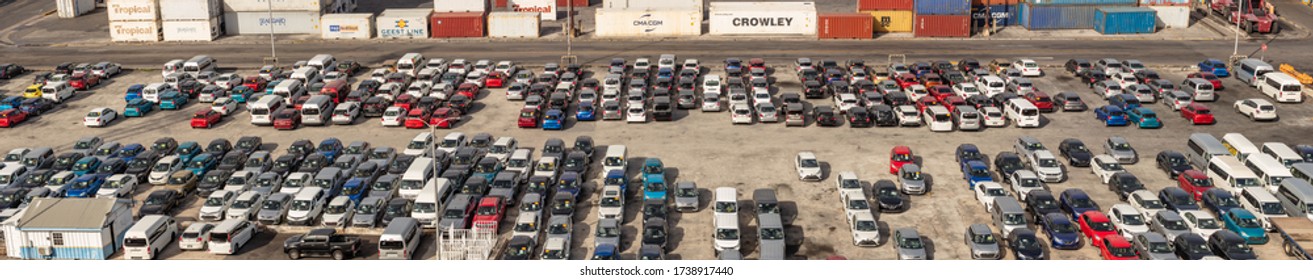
898,157
491,209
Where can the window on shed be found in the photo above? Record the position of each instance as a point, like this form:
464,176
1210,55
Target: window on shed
57,238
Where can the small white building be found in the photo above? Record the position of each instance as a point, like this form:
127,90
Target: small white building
68,228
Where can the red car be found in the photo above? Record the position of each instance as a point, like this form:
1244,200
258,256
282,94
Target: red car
255,83
1195,182
1115,247
495,80
12,117
932,79
952,101
940,92
1041,100
444,117
404,101
529,118
83,81
1096,226
925,101
205,118
417,118
1198,114
287,118
906,80
490,211
1217,82
756,63
468,90
899,156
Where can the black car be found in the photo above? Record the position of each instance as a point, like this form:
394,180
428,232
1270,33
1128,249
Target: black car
9,71
218,147
518,248
64,68
36,106
164,145
111,166
884,115
232,161
212,181
34,179
825,116
1123,184
981,101
1075,66
655,232
312,164
400,164
967,153
1040,203
140,165
1172,163
813,90
1006,163
858,117
966,65
1076,152
396,208
1177,199
161,202
1146,76
65,161
286,164
655,208
301,147
1191,247
249,144
888,196
12,197
1229,245
1025,245
897,98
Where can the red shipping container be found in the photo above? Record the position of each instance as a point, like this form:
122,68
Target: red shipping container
942,26
845,26
455,25
883,5
499,3
562,4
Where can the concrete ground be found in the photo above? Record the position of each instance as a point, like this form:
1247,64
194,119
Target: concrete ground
705,148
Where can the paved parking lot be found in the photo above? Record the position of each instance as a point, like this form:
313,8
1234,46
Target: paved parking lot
705,148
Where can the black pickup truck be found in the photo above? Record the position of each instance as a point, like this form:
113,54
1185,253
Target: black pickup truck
322,242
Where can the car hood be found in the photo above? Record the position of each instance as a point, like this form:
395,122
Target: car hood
914,254
686,201
151,210
1081,156
891,201
985,248
771,249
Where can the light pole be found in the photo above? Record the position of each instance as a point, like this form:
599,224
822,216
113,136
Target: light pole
1236,50
273,51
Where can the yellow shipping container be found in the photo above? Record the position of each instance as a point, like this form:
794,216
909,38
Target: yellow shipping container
892,21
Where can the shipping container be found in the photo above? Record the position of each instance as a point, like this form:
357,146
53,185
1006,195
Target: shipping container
514,25
999,15
1173,16
567,3
126,10
844,26
1147,3
74,8
884,5
134,31
655,4
282,22
942,26
347,26
892,21
193,30
460,6
1045,17
942,7
980,3
190,10
1083,2
1124,20
458,25
276,5
648,23
762,18
403,23
547,8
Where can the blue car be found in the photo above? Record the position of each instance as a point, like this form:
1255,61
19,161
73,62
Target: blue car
975,172
134,92
355,189
241,94
10,102
570,183
1061,231
84,185
269,88
653,166
1219,200
330,148
172,100
86,165
1125,101
1076,202
665,73
487,168
554,119
1110,115
606,252
655,188
129,152
201,163
138,108
1245,224
187,150
1215,66
617,177
1144,118
586,112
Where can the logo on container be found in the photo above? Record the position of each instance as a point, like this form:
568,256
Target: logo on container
273,21
534,9
401,23
772,22
128,30
647,21
187,30
131,10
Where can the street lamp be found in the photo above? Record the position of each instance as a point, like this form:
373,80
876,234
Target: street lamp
273,51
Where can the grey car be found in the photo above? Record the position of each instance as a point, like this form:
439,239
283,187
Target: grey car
608,232
369,212
686,196
1027,145
1070,102
1107,89
910,179
909,244
1120,149
983,242
1153,246
560,226
1169,224
770,234
274,209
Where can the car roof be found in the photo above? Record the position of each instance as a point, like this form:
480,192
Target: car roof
908,233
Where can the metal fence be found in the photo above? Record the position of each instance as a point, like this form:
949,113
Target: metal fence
467,244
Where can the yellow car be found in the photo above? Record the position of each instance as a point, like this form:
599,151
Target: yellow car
33,91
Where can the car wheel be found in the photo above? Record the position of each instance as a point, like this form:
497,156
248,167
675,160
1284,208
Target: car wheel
339,255
294,254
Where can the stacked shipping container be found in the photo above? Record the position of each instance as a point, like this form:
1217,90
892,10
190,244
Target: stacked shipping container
1124,20
888,16
133,20
762,18
942,18
347,26
514,24
998,13
460,6
191,20
74,8
288,16
656,4
404,23
845,26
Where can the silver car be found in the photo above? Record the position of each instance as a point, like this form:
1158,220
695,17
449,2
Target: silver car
1120,149
1107,89
1153,246
686,196
1047,167
770,234
766,112
909,244
369,212
608,232
1169,224
983,243
338,212
711,102
560,226
611,110
910,179
274,209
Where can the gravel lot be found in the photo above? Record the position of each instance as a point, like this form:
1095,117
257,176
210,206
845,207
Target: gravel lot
705,148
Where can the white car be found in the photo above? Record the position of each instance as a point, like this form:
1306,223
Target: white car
527,224
740,114
394,116
736,98
666,61
483,65
636,114
334,76
459,66
378,75
965,90
1201,222
1105,166
766,112
849,185
159,172
711,84
117,186
1028,67
1023,181
611,205
1146,203
692,63
195,236
99,117
635,100
1256,109
986,192
228,81
809,168
216,204
711,103
346,112
994,117
1125,79
245,206
1047,166
908,116
418,90
338,212
917,92
476,77
224,106
1128,221
521,160
760,97
506,67
726,204
854,204
846,101
866,230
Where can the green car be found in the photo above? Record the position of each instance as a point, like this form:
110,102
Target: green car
241,94
172,100
138,107
1144,117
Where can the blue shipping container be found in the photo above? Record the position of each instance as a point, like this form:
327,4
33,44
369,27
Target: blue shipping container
1001,15
1045,17
943,7
1083,2
1125,20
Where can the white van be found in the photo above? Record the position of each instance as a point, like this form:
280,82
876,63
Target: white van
1282,153
304,74
937,118
1238,145
616,159
1302,170
262,110
967,118
1281,87
419,145
429,200
289,90
173,66
12,175
1203,147
1268,169
152,91
57,92
1263,204
416,176
991,85
1022,113
409,63
323,62
400,239
727,234
230,235
1199,89
1230,174
317,111
306,205
198,64
146,239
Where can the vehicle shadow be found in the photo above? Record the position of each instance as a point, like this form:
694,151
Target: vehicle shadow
929,247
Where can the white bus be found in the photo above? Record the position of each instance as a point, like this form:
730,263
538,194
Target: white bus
1230,174
1022,113
937,118
1281,87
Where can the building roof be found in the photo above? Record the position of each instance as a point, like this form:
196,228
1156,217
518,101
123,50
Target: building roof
66,213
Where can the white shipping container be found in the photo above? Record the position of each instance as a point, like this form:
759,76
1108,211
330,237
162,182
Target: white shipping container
192,30
1173,16
277,5
348,26
459,6
403,23
654,4
514,25
546,7
123,10
283,22
648,23
134,31
190,10
74,8
762,18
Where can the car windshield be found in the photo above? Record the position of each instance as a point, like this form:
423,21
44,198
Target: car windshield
1048,162
910,243
914,176
1101,226
858,204
850,184
1132,219
655,187
1062,227
486,210
809,163
983,239
561,228
1122,252
1246,182
727,234
302,205
453,214
1239,248
336,209
1274,209
178,180
1246,222
772,234
529,227
979,173
215,201
865,225
157,199
995,191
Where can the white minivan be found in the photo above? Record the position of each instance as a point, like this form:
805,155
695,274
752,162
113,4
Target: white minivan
416,176
615,159
1022,113
429,201
230,235
146,239
317,111
1281,87
400,239
262,110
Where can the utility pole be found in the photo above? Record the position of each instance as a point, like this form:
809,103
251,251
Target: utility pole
273,51
1240,6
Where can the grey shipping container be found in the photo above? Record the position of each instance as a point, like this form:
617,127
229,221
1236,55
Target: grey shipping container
283,22
942,7
275,5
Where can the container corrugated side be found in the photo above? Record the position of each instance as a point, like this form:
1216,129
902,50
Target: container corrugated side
546,8
1083,2
575,3
126,10
514,25
979,3
283,22
942,7
942,26
655,4
1045,17
403,23
460,6
134,31
458,25
74,8
845,26
347,26
192,30
884,5
999,15
1173,16
1151,3
1124,20
762,18
275,5
892,21
648,23
190,10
